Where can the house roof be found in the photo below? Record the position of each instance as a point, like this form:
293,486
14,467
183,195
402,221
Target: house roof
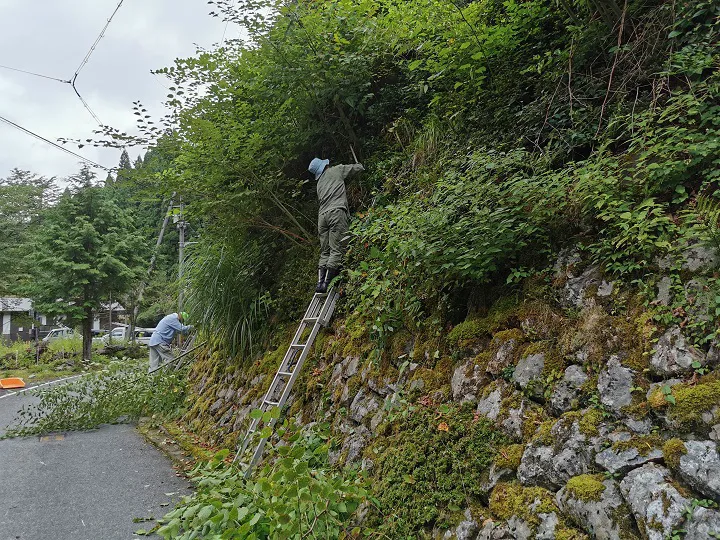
15,304
116,306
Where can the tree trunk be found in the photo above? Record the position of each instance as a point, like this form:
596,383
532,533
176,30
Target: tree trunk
87,335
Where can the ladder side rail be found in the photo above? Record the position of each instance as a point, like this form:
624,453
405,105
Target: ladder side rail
247,438
328,308
312,306
320,308
290,355
299,332
267,397
263,407
283,398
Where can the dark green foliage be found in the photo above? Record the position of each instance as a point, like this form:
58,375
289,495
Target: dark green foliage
492,133
294,495
423,473
225,293
23,199
124,167
85,251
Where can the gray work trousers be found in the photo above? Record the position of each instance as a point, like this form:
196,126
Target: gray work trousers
334,236
158,353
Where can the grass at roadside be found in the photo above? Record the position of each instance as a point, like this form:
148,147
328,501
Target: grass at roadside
59,359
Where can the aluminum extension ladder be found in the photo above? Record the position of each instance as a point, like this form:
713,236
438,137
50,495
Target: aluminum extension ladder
318,314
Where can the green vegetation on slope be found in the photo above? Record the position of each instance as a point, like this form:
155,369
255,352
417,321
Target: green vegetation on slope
493,134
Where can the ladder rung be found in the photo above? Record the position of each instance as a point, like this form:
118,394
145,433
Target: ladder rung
286,373
271,403
298,345
311,319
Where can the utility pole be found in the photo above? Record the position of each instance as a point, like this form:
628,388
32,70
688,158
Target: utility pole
143,283
110,310
181,254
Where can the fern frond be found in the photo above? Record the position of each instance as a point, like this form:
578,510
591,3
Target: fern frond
708,211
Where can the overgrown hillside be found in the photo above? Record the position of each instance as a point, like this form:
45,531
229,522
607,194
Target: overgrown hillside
528,345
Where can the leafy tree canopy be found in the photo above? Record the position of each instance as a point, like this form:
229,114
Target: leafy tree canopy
86,250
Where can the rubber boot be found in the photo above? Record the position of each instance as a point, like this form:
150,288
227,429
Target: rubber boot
321,286
331,274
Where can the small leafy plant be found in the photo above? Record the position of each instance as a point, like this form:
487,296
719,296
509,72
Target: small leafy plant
667,394
296,494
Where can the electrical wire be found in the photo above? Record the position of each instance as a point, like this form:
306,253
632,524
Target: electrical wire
36,74
226,25
72,81
85,104
92,47
40,137
85,60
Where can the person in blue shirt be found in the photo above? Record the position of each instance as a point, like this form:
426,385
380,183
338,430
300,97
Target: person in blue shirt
162,338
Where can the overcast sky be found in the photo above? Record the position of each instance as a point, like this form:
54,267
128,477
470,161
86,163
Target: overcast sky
52,38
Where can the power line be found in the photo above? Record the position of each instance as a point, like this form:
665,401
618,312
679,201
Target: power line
40,137
226,24
85,104
85,61
100,36
36,74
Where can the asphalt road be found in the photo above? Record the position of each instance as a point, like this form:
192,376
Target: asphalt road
81,485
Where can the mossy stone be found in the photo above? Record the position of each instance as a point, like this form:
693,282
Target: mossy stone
673,450
692,401
512,499
508,457
586,487
428,463
468,332
644,444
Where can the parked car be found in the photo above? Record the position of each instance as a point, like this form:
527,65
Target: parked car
60,333
121,335
97,336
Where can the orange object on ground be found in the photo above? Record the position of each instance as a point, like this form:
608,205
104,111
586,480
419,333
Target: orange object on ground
12,382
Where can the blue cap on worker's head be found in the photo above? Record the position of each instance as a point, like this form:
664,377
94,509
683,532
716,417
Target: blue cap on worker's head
317,166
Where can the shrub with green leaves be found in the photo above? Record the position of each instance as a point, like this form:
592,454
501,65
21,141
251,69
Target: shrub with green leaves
295,494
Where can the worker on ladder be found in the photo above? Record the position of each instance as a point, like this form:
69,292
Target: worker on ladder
333,217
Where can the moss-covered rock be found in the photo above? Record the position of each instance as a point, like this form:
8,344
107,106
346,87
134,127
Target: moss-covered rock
505,349
558,452
468,333
596,505
689,407
508,457
586,487
512,499
673,450
431,459
644,444
553,362
589,420
695,406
